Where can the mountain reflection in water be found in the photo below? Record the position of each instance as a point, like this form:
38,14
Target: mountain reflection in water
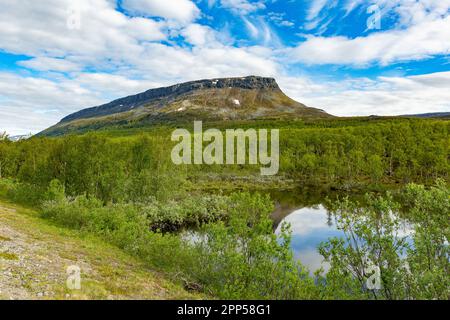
310,226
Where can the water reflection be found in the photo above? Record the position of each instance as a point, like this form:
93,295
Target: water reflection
310,226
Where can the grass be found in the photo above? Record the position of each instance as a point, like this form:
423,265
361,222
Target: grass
2,238
107,271
8,256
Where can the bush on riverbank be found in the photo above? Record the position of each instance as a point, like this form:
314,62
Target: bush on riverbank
84,212
239,258
385,257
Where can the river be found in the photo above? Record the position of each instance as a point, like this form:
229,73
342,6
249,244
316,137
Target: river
311,222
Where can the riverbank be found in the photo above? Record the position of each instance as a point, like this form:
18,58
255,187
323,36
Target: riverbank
34,256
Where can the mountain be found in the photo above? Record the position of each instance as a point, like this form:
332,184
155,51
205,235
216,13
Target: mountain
445,115
208,100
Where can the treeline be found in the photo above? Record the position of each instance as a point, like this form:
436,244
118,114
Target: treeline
108,169
348,151
135,167
392,151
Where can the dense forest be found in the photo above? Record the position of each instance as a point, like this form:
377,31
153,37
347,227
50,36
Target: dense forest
121,185
115,167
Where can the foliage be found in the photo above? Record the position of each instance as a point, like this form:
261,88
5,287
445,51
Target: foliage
429,257
412,257
117,168
244,259
234,260
83,212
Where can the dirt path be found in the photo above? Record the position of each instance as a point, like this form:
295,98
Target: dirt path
34,257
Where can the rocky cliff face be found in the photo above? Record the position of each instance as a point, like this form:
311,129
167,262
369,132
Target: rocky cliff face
152,95
214,99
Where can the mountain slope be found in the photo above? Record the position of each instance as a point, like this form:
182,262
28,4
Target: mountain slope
216,99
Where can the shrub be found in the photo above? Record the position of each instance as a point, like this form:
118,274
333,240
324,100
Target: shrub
241,258
412,266
244,259
23,193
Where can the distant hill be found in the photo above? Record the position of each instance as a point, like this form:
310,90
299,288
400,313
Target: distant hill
215,99
20,137
430,115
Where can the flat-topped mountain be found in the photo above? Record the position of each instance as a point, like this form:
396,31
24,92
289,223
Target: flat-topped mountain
208,100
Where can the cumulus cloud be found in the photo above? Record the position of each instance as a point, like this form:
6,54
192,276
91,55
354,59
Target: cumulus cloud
415,23
243,7
29,104
199,35
417,42
112,86
145,29
383,96
105,34
179,10
109,41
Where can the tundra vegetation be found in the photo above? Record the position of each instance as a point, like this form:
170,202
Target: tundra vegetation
123,187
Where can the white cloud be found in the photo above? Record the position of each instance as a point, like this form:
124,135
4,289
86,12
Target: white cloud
382,96
315,18
29,91
124,53
180,10
112,86
243,7
105,35
200,62
279,19
417,42
50,64
258,29
315,8
408,12
351,5
405,13
251,28
29,104
199,35
16,120
144,29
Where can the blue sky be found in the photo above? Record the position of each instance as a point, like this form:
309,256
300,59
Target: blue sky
349,57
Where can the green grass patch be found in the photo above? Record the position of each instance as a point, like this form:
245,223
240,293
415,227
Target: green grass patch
8,256
132,279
